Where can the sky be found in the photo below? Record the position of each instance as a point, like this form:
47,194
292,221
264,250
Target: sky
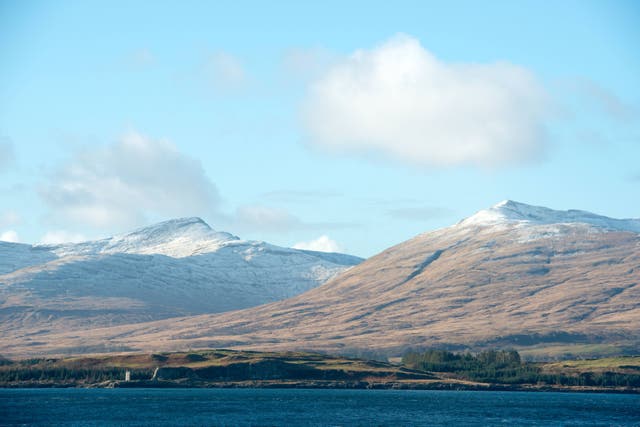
335,126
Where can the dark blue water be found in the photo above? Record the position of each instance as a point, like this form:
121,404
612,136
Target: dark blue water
193,407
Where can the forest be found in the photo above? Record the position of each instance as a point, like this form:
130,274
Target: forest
507,367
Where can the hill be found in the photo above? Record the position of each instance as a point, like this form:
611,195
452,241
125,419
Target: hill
175,268
549,283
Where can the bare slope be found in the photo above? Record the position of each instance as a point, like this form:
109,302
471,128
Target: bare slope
510,275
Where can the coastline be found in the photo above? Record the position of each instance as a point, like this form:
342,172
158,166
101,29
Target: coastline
222,368
328,385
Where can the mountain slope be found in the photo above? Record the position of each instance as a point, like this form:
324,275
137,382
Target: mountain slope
511,275
175,268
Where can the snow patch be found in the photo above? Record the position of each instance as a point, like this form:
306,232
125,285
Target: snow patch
510,213
177,267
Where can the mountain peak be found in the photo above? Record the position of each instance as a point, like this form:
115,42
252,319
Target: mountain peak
174,225
508,203
177,237
516,213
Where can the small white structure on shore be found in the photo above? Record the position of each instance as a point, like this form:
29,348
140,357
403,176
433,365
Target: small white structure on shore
127,375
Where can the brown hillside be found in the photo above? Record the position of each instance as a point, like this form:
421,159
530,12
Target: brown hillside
473,285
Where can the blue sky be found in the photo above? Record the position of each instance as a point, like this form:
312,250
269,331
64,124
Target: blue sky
339,126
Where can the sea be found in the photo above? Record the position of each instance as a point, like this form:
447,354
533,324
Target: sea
310,407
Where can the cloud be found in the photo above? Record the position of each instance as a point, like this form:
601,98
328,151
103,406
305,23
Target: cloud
224,72
9,218
321,244
61,236
124,183
9,236
606,100
6,154
399,101
276,220
424,213
263,218
298,196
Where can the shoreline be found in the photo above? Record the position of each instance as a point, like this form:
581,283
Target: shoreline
223,368
329,385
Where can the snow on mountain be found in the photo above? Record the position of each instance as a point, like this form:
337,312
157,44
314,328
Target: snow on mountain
512,274
177,238
572,286
509,212
178,267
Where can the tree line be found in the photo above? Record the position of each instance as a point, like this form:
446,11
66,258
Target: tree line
507,367
40,370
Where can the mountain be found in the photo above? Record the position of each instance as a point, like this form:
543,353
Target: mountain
544,281
176,268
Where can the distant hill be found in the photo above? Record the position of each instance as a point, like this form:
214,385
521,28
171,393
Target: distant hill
543,281
176,268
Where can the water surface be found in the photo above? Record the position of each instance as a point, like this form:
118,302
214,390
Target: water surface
164,407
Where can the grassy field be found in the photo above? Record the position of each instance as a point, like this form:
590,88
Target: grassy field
205,366
220,358
624,364
564,351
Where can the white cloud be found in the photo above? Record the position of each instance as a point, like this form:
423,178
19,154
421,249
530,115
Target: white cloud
61,236
9,236
398,100
124,183
224,72
321,244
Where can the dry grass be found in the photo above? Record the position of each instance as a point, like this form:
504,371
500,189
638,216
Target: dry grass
630,365
489,289
220,358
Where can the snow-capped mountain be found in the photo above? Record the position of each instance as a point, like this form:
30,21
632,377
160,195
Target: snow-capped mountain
176,238
175,268
509,212
513,275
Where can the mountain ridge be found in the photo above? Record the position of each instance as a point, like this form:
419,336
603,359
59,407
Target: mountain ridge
178,238
173,268
543,287
509,211
568,288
